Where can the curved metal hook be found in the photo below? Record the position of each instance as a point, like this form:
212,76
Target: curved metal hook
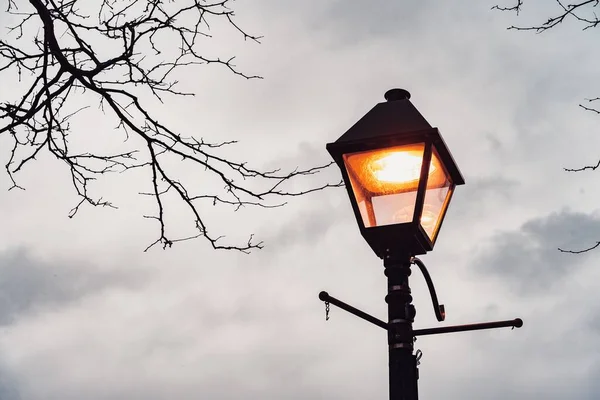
440,311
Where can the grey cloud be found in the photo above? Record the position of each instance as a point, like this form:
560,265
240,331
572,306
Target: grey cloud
29,285
480,189
482,195
272,353
363,20
308,226
8,385
528,257
593,321
591,387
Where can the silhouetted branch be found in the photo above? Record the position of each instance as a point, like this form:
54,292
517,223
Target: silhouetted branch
55,50
587,167
584,12
580,251
516,8
594,110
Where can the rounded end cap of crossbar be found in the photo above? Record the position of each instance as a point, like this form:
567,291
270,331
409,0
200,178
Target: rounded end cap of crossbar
518,323
323,296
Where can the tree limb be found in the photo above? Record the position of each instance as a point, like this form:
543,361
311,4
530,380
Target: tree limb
66,63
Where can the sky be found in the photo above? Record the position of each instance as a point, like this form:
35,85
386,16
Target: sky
86,313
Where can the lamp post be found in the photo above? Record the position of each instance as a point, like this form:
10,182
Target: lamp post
400,178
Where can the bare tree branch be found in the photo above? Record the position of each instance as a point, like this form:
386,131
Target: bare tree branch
59,53
580,251
584,168
584,12
516,8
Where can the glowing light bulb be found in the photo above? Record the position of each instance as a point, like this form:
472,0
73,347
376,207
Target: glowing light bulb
428,220
398,167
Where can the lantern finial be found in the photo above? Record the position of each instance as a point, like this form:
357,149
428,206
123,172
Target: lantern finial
397,94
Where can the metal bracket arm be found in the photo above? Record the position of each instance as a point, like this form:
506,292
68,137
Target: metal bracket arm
514,323
440,311
324,296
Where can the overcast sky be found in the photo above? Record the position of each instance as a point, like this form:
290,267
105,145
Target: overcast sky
86,314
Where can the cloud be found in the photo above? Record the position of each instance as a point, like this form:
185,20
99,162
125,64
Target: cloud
482,194
8,384
311,224
528,258
249,335
29,285
362,21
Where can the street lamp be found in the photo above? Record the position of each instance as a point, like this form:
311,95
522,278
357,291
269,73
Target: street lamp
400,178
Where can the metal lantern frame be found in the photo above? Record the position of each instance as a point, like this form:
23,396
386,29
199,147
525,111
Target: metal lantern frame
391,124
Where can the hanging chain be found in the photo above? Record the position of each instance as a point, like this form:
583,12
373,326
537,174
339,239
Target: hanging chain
326,311
419,355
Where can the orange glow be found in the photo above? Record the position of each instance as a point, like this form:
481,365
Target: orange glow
385,184
392,170
398,167
436,202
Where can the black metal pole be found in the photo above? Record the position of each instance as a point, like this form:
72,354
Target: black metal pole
403,372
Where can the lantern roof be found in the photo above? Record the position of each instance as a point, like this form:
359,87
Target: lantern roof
394,117
393,122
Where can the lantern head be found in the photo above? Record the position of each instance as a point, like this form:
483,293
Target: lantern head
399,174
